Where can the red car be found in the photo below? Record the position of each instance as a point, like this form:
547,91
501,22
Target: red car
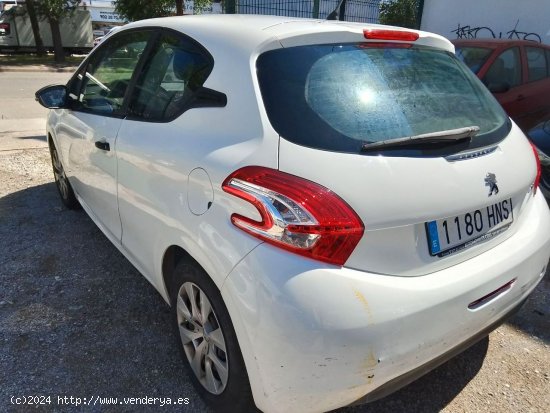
517,72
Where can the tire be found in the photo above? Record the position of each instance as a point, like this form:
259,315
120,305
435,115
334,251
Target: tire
61,181
219,376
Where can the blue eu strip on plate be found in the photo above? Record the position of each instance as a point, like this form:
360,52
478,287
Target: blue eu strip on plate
434,237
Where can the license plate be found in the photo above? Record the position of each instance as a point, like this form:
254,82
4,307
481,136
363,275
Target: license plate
449,235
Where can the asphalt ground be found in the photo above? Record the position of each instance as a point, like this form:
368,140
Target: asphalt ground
76,319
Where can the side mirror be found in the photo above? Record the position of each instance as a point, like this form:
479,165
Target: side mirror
498,87
52,97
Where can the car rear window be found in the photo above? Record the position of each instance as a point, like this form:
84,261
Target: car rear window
338,97
473,57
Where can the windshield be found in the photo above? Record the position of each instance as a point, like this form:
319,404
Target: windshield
473,57
338,97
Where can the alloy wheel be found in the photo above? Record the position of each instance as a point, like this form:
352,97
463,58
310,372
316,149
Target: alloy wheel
202,338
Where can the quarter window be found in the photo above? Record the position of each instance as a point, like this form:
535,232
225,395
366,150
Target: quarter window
505,69
166,87
107,76
536,62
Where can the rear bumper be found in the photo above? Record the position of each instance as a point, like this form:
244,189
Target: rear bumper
407,378
315,338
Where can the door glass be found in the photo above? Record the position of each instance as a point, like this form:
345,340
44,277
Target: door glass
107,76
505,69
536,62
177,67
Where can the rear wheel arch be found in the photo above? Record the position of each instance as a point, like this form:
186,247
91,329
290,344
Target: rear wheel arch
172,256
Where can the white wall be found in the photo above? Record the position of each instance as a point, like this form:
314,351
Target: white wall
444,16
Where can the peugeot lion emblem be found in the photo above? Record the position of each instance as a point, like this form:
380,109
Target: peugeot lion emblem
491,182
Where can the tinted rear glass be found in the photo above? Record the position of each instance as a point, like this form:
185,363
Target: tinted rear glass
473,57
338,97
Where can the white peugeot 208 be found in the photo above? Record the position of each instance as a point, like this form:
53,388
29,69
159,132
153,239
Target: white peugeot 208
331,209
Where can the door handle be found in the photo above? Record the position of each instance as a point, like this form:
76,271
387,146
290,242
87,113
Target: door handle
104,146
520,97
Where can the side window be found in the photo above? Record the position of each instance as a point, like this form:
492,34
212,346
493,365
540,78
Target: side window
105,79
176,68
505,69
536,62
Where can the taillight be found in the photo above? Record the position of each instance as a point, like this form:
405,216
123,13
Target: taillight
296,214
385,45
539,169
4,29
384,34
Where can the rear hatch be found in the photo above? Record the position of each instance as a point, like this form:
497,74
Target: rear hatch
410,139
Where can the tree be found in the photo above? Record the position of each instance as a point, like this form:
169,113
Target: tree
402,13
179,7
339,13
200,5
133,10
54,11
31,10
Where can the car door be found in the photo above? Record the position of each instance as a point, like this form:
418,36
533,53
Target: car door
159,145
504,79
88,130
535,94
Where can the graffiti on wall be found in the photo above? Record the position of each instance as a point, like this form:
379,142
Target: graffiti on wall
468,32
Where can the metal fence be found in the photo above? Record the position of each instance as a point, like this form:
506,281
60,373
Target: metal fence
365,11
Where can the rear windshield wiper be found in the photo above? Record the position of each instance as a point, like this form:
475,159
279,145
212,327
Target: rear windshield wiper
450,136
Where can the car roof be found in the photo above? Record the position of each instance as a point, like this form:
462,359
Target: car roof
253,32
496,43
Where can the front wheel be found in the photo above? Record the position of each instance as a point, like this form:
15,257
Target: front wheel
208,341
61,181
